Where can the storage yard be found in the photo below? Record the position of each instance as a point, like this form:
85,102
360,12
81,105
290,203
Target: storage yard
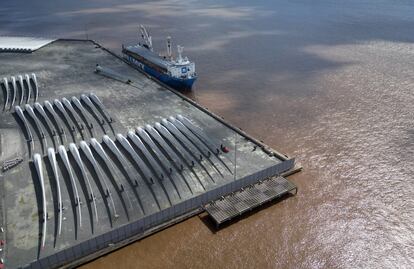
95,155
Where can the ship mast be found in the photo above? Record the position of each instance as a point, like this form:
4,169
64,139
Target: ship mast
146,37
169,50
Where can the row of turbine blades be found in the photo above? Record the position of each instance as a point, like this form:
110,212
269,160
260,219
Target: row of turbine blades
160,152
57,114
19,89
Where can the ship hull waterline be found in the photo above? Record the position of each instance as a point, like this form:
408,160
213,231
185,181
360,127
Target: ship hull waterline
175,83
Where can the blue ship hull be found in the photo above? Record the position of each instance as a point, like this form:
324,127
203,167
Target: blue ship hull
175,83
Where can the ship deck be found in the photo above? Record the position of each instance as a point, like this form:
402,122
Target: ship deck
149,55
182,166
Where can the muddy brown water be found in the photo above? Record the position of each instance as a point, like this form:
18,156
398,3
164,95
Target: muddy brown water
328,82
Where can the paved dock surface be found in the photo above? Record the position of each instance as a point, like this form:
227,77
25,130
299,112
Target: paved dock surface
114,191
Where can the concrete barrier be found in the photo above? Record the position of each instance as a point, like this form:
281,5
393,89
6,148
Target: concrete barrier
166,215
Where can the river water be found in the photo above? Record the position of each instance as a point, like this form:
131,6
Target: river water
328,82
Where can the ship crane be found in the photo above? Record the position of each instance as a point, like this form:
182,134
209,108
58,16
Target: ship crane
146,37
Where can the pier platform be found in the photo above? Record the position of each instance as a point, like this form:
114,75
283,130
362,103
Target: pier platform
237,203
93,158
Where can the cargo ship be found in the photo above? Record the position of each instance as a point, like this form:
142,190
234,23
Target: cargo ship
178,73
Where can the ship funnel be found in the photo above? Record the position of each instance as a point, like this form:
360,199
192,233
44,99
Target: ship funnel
180,51
169,51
